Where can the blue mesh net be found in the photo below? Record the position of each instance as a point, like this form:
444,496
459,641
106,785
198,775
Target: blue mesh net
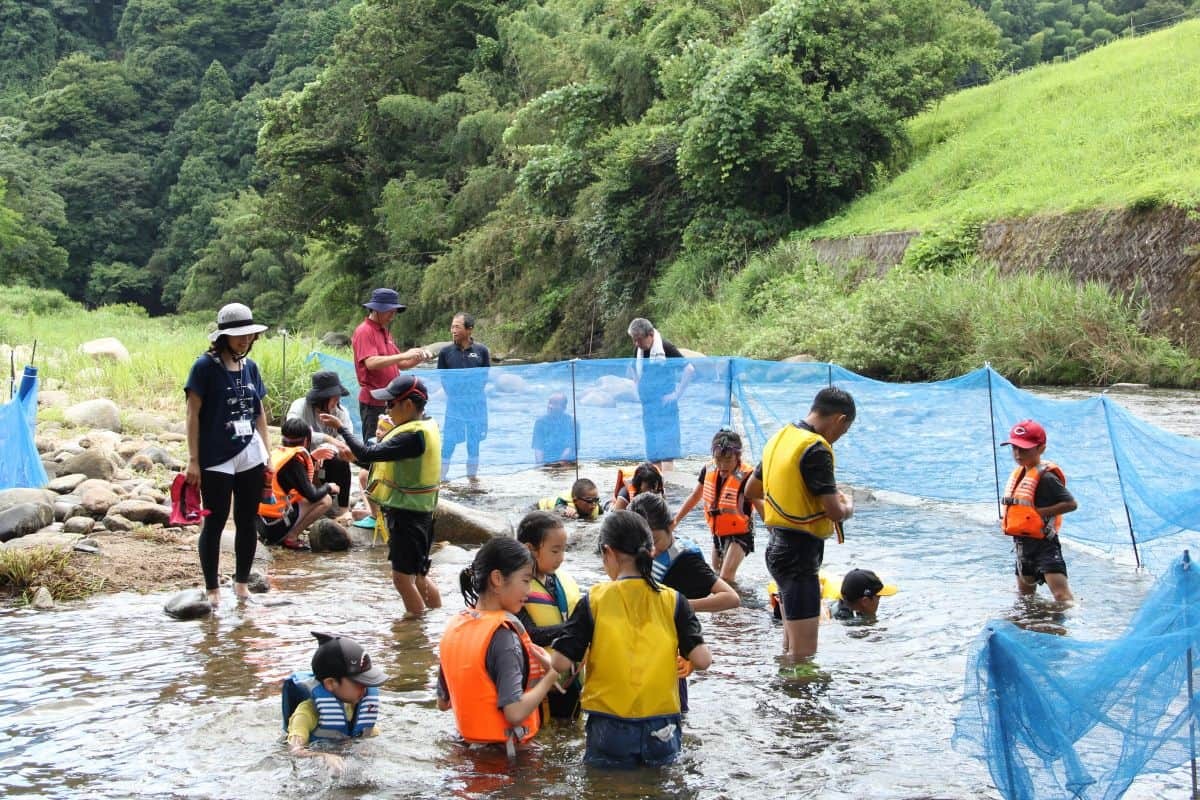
21,465
938,441
1058,717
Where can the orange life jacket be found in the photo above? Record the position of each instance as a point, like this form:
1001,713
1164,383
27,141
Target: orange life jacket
1020,516
625,483
473,694
724,511
283,500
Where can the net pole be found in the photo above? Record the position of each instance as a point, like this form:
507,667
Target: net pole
1121,485
829,373
574,418
1187,565
987,365
283,392
729,396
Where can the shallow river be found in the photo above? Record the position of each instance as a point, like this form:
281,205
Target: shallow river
111,698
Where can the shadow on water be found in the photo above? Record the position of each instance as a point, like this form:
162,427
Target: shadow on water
109,698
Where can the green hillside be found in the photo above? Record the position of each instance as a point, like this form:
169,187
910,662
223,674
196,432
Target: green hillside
1117,127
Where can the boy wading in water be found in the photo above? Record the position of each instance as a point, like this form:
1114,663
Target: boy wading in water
1033,504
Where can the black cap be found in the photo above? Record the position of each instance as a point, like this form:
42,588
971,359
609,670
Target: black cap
860,583
401,387
339,657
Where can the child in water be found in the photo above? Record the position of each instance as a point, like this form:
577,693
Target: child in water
722,487
646,478
338,700
630,630
582,502
490,673
553,595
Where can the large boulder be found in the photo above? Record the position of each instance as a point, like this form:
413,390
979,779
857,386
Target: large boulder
107,441
24,519
618,388
459,524
143,511
100,413
146,421
335,339
188,604
15,497
596,398
67,483
509,383
92,463
106,349
326,536
82,525
54,539
54,399
97,500
159,455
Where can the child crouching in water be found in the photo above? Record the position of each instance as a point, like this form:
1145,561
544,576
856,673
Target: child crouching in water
339,699
630,630
553,595
491,674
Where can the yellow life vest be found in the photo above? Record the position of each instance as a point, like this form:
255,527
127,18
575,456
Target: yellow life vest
546,609
631,669
409,483
555,502
283,500
787,501
1020,515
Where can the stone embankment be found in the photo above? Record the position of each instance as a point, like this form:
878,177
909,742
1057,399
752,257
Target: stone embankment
1152,255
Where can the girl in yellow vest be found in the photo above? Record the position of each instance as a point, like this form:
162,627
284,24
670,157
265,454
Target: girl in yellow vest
553,595
490,673
630,630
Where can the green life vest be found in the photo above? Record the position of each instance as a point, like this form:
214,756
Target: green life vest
410,483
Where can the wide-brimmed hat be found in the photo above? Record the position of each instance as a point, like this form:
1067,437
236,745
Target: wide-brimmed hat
384,300
235,319
325,384
339,657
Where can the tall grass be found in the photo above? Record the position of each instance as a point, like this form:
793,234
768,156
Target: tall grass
1118,127
162,350
23,570
920,323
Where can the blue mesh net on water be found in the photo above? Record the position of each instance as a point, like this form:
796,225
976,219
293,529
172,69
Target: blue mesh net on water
21,465
939,440
1058,717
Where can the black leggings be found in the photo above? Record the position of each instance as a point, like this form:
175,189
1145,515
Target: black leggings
334,470
216,489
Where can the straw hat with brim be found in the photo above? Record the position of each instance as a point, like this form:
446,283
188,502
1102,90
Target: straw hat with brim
235,319
384,300
325,384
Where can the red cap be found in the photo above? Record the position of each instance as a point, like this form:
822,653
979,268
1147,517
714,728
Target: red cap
1026,434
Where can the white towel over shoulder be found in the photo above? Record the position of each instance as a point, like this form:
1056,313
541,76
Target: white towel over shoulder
656,351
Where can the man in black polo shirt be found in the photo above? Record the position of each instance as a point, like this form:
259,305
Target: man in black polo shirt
802,506
466,404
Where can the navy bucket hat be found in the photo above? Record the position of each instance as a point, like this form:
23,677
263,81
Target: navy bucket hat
384,300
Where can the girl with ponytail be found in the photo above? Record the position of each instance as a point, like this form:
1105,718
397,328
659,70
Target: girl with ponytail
490,673
630,630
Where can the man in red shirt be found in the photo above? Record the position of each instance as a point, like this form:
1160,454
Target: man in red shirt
377,360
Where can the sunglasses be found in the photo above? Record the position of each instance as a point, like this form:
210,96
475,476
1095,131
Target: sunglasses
591,501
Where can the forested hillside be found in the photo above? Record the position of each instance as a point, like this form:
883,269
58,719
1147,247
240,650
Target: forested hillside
553,166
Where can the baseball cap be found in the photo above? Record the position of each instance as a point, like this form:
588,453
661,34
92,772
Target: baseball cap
1026,434
339,657
401,387
860,583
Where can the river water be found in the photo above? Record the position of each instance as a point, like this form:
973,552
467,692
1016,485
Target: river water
111,698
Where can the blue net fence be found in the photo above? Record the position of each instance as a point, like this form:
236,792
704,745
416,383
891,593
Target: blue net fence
1059,717
21,464
1135,483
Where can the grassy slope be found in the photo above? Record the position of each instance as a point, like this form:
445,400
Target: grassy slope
1117,127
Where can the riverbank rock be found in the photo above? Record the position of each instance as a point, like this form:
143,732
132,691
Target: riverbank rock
326,536
618,388
143,511
510,383
257,582
91,463
42,599
15,497
53,399
65,484
188,604
24,519
262,554
335,339
83,525
51,537
458,524
106,349
159,455
100,413
97,500
596,398
686,353
146,422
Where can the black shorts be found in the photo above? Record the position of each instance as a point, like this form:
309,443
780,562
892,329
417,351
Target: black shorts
410,540
1038,557
794,560
275,531
721,543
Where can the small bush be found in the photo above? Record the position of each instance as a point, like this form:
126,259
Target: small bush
27,300
22,571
